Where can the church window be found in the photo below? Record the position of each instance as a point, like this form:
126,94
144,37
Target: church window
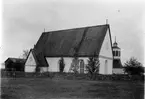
113,53
82,66
116,53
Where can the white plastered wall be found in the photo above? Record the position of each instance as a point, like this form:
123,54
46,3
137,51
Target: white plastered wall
30,64
54,66
106,55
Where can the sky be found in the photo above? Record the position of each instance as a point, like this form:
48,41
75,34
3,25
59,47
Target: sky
23,22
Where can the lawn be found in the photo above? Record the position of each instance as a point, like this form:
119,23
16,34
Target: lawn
46,88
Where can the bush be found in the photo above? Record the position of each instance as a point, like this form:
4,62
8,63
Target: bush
133,67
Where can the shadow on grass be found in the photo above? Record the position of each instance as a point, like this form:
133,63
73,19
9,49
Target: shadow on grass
6,96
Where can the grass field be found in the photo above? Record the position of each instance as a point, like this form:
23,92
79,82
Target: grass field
45,88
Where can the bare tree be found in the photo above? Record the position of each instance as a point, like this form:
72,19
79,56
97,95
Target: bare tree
25,54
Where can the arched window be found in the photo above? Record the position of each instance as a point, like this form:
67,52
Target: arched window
113,53
106,67
82,66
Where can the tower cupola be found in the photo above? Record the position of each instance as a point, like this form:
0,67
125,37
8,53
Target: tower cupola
116,50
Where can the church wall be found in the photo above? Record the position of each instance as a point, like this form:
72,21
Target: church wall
54,65
106,55
30,64
105,66
30,69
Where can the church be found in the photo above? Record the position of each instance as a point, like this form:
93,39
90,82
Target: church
84,42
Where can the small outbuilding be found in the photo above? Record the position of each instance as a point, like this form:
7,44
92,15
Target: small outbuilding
14,64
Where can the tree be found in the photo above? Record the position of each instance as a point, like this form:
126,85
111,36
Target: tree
61,65
93,67
74,65
133,67
25,54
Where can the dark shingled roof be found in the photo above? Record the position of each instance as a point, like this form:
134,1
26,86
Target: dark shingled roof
16,60
39,58
67,43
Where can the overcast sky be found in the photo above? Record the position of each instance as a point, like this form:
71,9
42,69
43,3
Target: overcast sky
25,20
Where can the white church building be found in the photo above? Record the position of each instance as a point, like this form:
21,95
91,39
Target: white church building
82,42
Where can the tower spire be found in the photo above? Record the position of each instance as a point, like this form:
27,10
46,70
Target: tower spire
106,21
115,43
44,29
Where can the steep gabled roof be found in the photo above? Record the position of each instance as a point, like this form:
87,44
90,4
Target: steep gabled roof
39,58
81,41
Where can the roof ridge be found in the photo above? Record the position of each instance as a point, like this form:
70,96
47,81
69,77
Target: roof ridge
65,29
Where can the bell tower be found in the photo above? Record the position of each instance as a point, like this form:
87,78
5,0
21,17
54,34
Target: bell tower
116,50
117,66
